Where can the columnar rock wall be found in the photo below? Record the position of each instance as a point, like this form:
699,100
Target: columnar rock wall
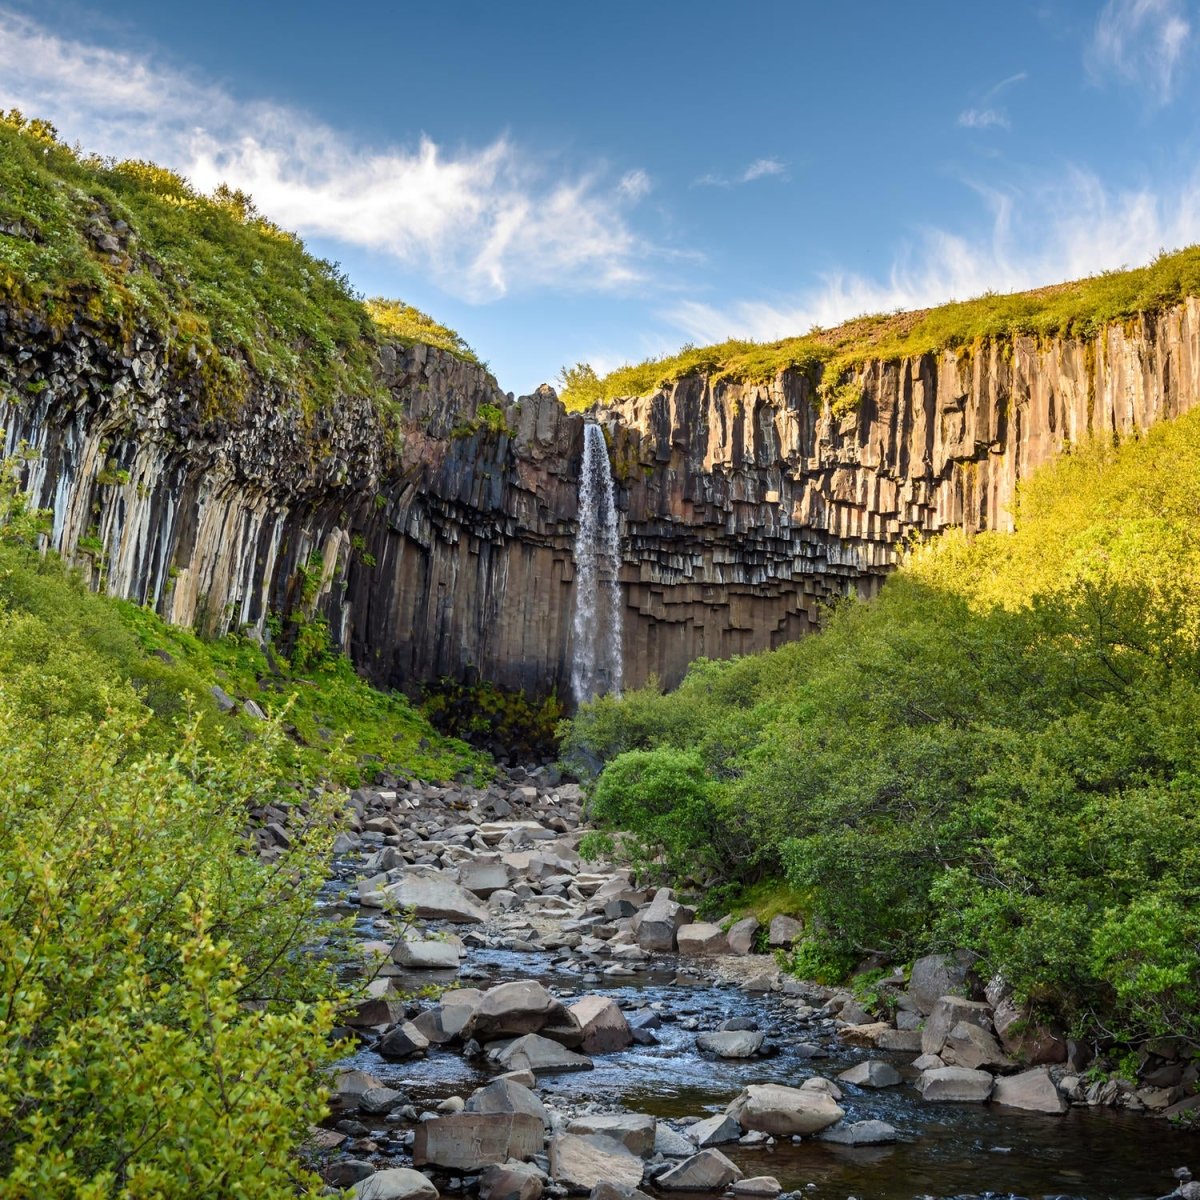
436,542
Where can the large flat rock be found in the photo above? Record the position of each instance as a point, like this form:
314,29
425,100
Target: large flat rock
428,897
1033,1091
779,1110
471,1141
520,1007
955,1084
541,1056
580,1161
708,1171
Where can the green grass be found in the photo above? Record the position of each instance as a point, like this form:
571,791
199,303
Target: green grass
1079,309
237,301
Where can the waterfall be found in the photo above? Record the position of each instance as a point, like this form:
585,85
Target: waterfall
596,630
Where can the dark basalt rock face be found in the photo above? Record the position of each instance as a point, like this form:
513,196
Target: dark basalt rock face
437,543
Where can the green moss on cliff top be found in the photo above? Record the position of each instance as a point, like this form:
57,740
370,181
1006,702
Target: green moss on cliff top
234,297
1078,309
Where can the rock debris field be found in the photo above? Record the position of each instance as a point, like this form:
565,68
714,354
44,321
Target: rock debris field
538,1025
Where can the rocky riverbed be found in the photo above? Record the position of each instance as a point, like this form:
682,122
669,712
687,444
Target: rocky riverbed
539,1026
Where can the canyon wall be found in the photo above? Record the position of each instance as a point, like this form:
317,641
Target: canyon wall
434,531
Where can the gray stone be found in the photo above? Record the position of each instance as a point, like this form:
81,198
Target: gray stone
967,1045
783,932
510,1182
506,1096
708,1171
945,1013
604,1027
428,897
859,1133
426,954
905,1041
541,1056
660,921
635,1131
381,1100
1032,1090
938,975
872,1073
611,1191
580,1161
672,1144
484,878
734,1043
405,1040
345,1172
521,1007
741,935
471,1141
759,1185
1026,1040
701,938
959,1084
781,1110
715,1131
398,1183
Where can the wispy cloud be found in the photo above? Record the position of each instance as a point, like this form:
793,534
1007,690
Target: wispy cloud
1066,230
760,168
479,221
1140,42
986,115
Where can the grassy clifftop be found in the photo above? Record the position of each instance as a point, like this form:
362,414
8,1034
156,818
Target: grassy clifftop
235,298
1078,309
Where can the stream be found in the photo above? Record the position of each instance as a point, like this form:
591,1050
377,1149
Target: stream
942,1149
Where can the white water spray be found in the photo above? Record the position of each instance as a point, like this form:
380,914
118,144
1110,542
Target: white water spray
596,632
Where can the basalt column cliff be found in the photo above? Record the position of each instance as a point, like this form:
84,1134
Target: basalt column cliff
436,538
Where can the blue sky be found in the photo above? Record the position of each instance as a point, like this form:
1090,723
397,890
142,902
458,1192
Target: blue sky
565,182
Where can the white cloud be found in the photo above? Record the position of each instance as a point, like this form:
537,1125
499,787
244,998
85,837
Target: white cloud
760,168
1140,42
984,118
1069,229
479,221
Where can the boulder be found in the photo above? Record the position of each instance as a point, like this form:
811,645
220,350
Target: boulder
859,1133
484,878
945,1013
1033,1091
521,1007
634,1131
541,1056
403,1041
760,1185
731,1043
398,1183
1024,1039
701,938
906,1041
457,1007
783,932
672,1144
428,897
959,1084
938,975
708,1171
603,1025
505,1096
580,1161
872,1073
381,1100
779,1110
864,1035
472,1141
610,1191
345,1172
660,921
741,935
509,1181
715,1131
426,954
967,1045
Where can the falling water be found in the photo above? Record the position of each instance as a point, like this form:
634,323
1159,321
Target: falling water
596,662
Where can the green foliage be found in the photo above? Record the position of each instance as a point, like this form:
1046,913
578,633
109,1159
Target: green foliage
20,523
502,721
997,752
1080,309
407,325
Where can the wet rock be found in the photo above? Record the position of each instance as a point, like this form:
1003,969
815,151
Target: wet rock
635,1131
759,1185
708,1171
736,1043
457,1006
672,1144
471,1141
580,1161
859,1133
398,1183
1033,1091
741,935
959,1084
346,1172
873,1073
611,1191
604,1027
777,1109
541,1056
403,1041
506,1096
521,1007
715,1131
381,1100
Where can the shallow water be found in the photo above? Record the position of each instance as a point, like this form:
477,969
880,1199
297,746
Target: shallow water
944,1149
